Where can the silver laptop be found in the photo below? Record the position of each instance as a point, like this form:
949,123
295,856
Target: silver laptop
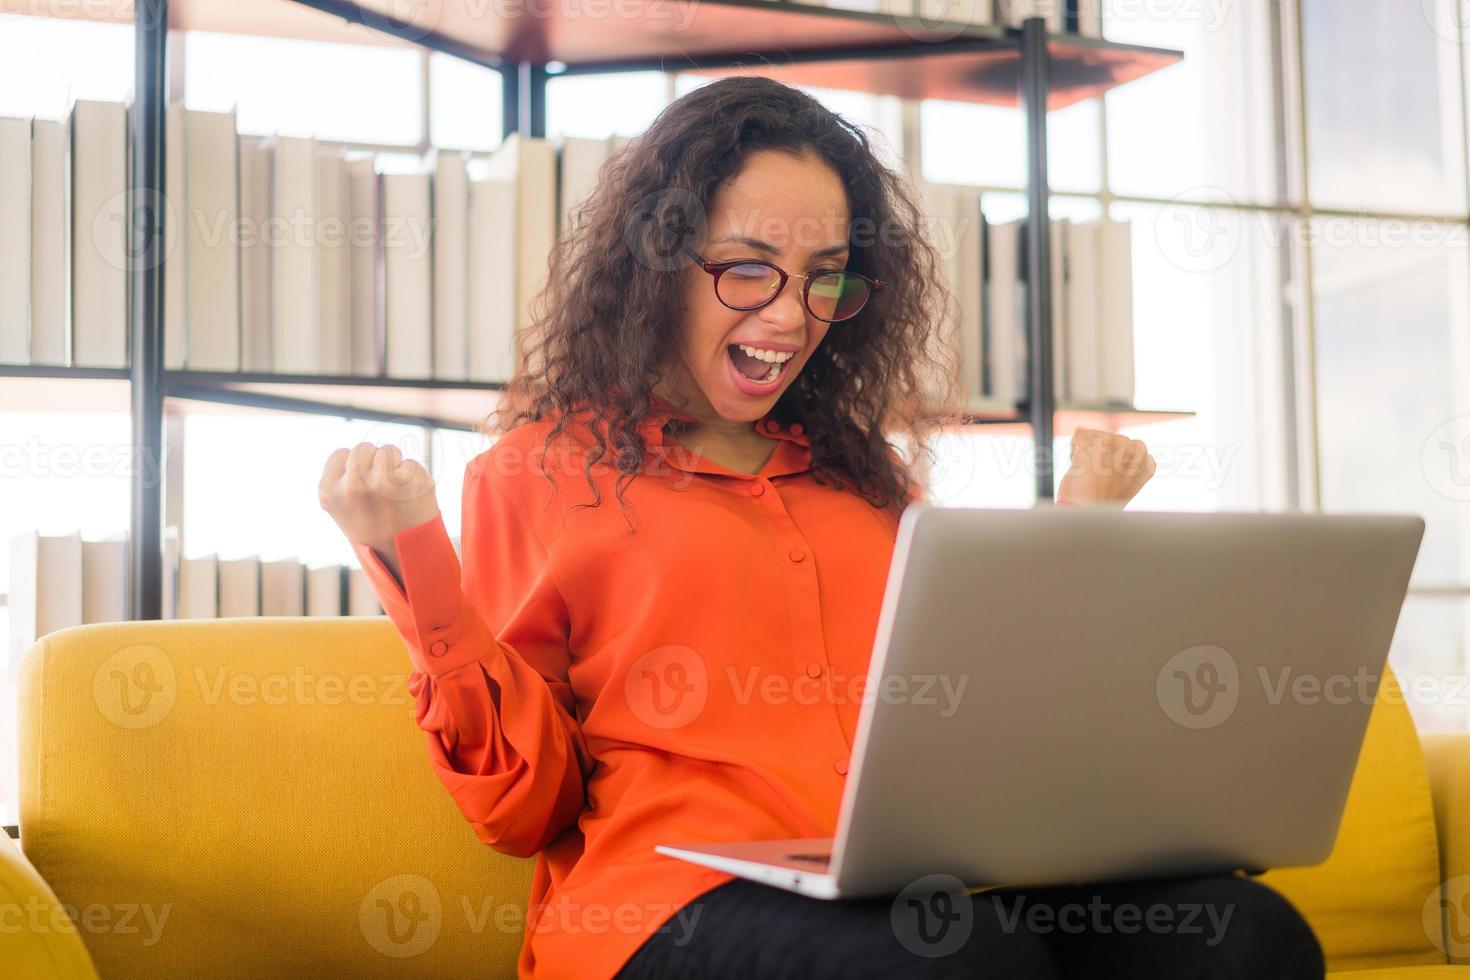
1143,694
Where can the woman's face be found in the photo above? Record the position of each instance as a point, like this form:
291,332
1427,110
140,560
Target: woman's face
792,212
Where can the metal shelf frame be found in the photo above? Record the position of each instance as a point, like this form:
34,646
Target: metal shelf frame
524,111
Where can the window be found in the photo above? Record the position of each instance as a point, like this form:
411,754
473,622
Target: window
341,92
968,143
598,106
275,513
1384,106
45,63
464,104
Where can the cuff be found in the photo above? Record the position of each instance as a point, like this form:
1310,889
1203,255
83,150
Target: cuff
430,610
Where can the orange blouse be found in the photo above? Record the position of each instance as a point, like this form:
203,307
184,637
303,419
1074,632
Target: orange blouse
588,692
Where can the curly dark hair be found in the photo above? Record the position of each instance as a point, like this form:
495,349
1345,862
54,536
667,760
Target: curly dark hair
606,325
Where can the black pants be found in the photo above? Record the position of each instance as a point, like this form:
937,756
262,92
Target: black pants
1176,928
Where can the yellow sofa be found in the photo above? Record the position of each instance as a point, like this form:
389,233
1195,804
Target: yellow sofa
251,798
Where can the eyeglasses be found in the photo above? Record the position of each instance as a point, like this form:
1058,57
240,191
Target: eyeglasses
749,284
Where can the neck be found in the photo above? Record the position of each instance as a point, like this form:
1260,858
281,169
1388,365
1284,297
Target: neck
709,424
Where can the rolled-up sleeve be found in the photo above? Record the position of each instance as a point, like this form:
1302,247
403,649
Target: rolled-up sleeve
488,644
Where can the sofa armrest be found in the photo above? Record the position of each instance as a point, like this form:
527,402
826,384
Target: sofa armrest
1447,758
37,936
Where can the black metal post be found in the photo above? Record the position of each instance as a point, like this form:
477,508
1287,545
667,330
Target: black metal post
510,99
146,208
531,93
1041,397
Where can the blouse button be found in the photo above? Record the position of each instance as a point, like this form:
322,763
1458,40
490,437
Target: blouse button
757,488
438,648
797,554
814,670
796,428
840,766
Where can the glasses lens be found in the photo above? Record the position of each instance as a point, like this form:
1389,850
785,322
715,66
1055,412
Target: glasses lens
748,285
837,295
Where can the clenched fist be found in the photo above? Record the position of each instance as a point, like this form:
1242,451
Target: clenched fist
372,493
1106,469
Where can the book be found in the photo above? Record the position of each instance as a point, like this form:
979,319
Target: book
361,600
45,588
295,260
956,230
326,590
956,11
1089,17
1115,311
210,241
1005,326
1060,320
408,283
171,543
451,243
970,291
99,162
580,161
335,255
282,588
198,596
530,165
50,243
175,257
492,292
15,241
1013,12
365,268
1084,353
256,345
105,581
239,587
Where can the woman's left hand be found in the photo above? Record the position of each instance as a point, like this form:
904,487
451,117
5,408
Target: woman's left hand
1106,469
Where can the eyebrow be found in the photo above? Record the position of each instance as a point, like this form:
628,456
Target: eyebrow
770,249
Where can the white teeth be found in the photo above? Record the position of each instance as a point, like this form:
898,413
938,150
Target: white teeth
769,356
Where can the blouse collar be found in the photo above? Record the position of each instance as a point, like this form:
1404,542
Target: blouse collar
792,456
663,411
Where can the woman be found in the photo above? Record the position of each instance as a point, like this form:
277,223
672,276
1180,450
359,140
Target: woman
673,559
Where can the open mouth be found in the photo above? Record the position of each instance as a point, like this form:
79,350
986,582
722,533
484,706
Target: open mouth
759,368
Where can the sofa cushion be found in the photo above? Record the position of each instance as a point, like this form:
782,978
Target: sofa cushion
254,796
1366,901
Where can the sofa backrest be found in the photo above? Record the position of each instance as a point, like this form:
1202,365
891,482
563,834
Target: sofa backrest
251,797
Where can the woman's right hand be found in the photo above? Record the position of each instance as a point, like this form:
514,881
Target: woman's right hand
373,493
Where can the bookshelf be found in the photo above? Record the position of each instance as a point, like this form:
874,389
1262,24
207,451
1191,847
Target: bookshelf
884,54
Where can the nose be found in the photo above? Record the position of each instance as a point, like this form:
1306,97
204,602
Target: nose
786,311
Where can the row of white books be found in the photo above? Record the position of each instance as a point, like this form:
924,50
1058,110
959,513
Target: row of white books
59,581
282,254
1092,302
1062,16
